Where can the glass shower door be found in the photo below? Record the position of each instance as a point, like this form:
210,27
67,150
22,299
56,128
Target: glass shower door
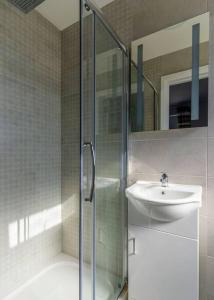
103,213
110,145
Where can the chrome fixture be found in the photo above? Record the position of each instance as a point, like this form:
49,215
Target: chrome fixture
90,145
89,5
164,179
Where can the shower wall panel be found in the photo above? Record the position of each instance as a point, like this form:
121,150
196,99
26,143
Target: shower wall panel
30,145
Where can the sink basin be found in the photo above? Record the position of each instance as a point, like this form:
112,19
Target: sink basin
164,204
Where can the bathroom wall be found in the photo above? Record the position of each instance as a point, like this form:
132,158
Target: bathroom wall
188,154
30,145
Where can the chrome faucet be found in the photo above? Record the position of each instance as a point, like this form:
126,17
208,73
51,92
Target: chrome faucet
164,179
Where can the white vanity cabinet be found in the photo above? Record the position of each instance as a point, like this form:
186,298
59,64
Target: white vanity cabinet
164,264
163,255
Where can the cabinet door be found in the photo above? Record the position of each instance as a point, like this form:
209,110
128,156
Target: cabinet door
164,267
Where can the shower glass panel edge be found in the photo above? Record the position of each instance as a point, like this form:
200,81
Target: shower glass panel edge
94,109
87,152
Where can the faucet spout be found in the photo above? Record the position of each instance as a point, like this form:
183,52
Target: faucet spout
164,179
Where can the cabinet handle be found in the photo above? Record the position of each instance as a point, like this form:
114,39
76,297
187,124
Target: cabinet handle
133,246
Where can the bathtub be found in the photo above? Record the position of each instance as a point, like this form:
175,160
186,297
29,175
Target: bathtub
60,281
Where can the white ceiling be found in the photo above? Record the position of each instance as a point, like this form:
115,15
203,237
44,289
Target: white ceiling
63,13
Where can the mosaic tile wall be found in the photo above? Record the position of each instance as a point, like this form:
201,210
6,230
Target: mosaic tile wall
30,145
70,139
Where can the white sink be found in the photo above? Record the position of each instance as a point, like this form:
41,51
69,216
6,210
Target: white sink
164,203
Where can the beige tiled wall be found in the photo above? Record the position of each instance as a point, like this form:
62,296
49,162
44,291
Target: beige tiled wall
30,145
70,115
151,16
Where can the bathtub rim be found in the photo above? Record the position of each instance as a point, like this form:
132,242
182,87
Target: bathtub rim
59,260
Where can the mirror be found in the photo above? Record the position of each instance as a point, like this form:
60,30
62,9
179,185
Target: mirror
169,77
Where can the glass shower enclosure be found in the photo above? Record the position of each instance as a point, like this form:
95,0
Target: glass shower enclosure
103,162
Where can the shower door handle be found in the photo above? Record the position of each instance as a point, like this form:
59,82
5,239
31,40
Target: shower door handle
133,252
90,145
